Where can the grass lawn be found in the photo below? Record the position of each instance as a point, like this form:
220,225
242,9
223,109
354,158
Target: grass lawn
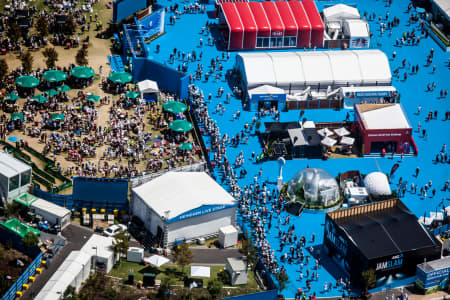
125,268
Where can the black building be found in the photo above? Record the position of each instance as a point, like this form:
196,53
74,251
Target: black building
384,236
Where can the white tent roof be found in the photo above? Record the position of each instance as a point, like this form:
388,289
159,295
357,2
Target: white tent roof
377,183
340,12
148,86
104,246
156,260
50,207
10,166
179,192
302,69
265,89
329,142
356,28
385,117
444,5
346,140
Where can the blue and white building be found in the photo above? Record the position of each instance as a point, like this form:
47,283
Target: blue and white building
183,206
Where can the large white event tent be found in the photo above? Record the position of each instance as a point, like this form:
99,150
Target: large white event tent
296,71
179,206
339,12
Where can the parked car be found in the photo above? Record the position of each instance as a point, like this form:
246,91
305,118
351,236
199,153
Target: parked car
114,229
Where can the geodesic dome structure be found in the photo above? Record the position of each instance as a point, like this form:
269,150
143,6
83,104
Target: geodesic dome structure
314,187
377,184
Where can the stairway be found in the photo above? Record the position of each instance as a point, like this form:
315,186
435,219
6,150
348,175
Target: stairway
116,63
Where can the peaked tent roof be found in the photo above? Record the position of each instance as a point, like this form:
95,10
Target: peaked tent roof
148,86
265,89
339,12
356,28
384,117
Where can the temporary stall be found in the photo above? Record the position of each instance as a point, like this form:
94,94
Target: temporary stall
15,177
296,71
100,248
148,89
237,270
275,25
357,31
135,254
54,214
339,13
179,206
228,236
72,272
266,96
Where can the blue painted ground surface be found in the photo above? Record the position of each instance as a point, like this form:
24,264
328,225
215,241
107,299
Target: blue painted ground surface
185,35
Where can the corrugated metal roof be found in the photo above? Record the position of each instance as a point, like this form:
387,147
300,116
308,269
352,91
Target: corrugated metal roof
10,166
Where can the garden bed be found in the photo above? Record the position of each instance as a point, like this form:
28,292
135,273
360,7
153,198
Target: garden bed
9,267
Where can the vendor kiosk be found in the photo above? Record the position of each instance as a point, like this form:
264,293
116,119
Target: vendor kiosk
266,97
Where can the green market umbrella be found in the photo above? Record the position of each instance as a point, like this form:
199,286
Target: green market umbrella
54,75
58,117
180,125
27,81
132,95
11,97
120,77
186,146
82,72
51,92
64,88
92,98
174,107
17,116
39,98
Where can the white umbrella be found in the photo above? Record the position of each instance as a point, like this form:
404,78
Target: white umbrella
329,142
156,260
342,131
325,132
347,140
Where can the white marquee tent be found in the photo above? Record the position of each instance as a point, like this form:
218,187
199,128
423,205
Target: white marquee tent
340,12
299,70
356,28
147,87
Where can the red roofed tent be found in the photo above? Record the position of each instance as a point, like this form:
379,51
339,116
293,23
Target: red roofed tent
316,23
290,24
262,23
250,28
304,27
235,27
276,24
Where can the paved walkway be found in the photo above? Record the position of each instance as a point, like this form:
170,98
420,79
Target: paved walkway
76,237
213,255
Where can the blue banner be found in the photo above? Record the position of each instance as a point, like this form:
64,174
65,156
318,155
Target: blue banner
200,211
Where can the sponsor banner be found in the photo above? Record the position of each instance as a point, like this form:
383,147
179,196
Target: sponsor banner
200,211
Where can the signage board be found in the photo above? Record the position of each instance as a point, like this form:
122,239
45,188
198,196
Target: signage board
200,211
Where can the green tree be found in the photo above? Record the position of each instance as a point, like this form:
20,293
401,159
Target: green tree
81,57
70,26
51,57
283,280
42,26
4,284
3,69
214,288
30,240
27,62
14,32
121,244
70,293
248,249
166,282
183,255
368,280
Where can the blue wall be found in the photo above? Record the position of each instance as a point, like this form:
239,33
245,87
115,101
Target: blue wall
124,8
152,24
61,200
267,295
167,78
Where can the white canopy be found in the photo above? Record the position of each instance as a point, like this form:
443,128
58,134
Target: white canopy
340,12
356,28
325,132
199,271
329,142
148,87
298,70
342,131
180,192
383,117
156,260
347,141
265,89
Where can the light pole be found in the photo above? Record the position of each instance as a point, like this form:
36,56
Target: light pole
96,256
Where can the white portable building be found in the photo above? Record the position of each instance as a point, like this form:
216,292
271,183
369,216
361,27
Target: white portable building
295,71
237,269
228,236
135,254
357,31
339,12
73,271
15,177
100,248
180,206
54,214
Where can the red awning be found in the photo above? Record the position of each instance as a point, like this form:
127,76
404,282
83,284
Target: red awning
290,25
304,26
262,23
316,22
250,28
236,34
276,24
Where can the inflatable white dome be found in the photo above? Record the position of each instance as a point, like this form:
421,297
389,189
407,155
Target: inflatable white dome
377,184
